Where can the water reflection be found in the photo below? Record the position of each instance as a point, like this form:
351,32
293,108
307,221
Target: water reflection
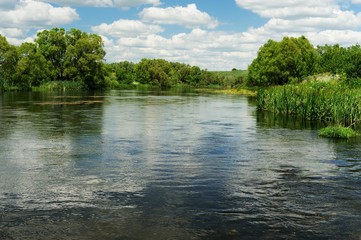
166,166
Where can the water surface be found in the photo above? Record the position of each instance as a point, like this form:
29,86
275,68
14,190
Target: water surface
170,166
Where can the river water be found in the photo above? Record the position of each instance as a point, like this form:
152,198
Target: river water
159,165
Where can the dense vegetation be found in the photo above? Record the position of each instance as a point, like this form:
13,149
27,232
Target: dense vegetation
293,59
332,102
163,74
279,63
322,83
73,60
56,55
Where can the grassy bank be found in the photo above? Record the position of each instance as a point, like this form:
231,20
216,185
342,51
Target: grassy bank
333,102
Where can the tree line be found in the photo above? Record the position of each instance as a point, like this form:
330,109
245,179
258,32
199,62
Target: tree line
59,56
293,59
165,74
74,56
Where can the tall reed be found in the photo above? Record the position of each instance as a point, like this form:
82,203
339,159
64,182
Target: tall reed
331,102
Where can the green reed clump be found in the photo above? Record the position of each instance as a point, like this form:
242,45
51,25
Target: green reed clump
61,86
337,132
331,102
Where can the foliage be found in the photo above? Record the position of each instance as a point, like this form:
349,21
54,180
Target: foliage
8,61
232,79
159,73
56,55
330,102
279,63
337,132
32,69
340,60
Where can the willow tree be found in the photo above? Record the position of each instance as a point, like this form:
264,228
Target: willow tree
32,68
73,55
277,63
8,61
84,58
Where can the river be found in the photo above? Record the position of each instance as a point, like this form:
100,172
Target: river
161,165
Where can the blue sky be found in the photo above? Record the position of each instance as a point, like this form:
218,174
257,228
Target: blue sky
213,34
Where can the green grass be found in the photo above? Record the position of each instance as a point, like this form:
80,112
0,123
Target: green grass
337,132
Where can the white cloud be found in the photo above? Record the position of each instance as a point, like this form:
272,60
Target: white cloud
288,8
33,14
18,18
207,49
12,32
104,3
127,28
188,16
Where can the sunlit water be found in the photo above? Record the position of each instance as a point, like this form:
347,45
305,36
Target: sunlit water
168,166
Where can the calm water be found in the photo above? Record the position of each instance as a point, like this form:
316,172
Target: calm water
167,166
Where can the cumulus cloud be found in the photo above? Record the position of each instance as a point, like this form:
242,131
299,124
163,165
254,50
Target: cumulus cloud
34,14
21,16
207,49
288,8
189,16
127,28
104,3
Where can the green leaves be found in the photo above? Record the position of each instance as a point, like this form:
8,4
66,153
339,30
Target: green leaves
278,63
56,55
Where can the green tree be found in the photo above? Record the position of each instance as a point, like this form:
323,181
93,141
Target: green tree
352,62
125,72
279,63
83,59
331,59
154,72
32,68
8,61
52,45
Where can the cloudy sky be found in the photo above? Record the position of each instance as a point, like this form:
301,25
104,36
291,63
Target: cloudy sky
213,34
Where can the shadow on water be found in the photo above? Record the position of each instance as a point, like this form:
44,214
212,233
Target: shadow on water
169,166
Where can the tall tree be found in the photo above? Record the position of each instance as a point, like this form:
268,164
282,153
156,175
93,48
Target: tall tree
282,62
52,45
8,61
84,58
32,68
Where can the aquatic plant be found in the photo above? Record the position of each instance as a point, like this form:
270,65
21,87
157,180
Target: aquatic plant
337,132
330,102
61,86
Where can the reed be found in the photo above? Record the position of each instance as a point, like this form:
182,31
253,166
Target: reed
331,102
337,132
60,86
